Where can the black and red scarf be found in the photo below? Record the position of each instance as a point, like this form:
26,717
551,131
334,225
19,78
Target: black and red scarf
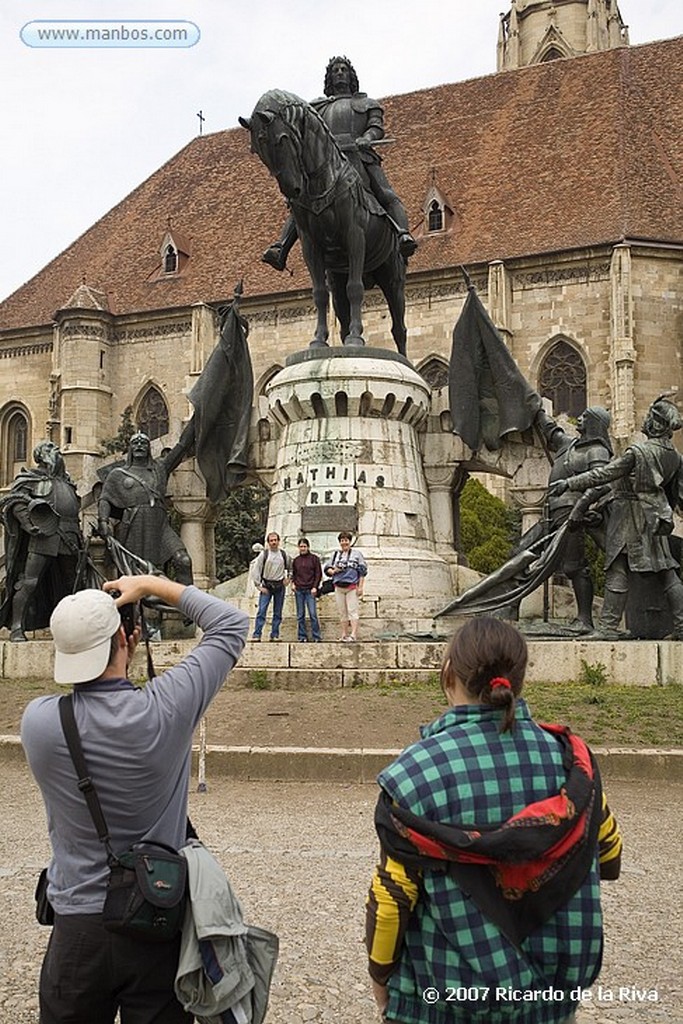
520,872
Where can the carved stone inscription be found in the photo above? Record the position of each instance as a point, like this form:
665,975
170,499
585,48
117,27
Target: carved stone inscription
332,483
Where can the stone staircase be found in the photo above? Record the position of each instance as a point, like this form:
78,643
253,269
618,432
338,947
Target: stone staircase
330,665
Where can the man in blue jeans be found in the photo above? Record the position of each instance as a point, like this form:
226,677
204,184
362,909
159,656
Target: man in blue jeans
307,574
271,573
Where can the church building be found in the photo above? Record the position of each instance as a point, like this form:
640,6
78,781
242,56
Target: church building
556,182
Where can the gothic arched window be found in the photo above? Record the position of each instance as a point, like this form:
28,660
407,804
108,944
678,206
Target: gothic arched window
562,379
435,218
170,260
14,431
153,414
552,54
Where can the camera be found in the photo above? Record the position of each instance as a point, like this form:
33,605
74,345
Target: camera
130,614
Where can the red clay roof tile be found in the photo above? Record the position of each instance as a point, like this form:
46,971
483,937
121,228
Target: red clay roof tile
561,155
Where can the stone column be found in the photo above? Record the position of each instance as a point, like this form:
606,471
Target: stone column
203,337
529,488
189,499
440,484
622,348
349,459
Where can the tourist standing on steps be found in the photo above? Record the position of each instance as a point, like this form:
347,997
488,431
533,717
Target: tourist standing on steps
347,569
494,834
271,574
307,574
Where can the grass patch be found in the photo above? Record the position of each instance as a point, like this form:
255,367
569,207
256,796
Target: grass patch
603,713
258,679
610,714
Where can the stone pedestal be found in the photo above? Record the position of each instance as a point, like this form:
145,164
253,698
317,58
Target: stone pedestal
349,459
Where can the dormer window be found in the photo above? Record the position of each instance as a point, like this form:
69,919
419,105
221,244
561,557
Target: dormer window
435,216
437,212
170,260
174,255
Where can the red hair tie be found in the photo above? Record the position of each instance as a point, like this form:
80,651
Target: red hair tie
501,681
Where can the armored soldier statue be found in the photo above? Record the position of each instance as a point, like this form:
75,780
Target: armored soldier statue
647,483
134,497
557,542
356,121
571,456
43,542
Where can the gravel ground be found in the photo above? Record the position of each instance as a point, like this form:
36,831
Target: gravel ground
300,858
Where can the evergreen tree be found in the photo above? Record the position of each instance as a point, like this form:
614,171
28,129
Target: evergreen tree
488,528
120,441
241,522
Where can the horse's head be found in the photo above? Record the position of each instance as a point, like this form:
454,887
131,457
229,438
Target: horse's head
276,128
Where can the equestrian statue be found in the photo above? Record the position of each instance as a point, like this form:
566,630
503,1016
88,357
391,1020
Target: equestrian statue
352,226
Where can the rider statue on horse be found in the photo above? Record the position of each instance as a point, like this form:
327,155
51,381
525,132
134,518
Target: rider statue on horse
357,123
352,226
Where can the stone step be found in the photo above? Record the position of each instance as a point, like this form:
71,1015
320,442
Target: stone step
335,764
332,664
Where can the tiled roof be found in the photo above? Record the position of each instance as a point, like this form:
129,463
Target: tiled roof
561,155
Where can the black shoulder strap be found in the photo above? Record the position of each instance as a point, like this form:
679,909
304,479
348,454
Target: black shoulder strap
85,783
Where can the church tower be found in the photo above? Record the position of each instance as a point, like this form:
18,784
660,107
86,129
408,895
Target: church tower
534,31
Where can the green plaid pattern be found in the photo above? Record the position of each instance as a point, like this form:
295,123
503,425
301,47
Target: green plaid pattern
463,770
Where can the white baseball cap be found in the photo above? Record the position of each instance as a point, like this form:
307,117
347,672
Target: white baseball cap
82,626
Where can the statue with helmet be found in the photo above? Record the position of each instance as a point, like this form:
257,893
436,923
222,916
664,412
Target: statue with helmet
557,543
647,484
44,549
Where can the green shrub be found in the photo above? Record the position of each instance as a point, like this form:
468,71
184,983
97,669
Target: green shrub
258,680
488,528
241,522
490,555
472,530
596,565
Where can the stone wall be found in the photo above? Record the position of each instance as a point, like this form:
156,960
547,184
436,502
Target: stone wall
620,307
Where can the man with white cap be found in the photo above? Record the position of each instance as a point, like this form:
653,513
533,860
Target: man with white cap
137,746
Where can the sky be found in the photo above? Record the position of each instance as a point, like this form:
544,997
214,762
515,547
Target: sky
83,126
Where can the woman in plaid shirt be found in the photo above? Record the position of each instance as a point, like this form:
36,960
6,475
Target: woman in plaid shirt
494,833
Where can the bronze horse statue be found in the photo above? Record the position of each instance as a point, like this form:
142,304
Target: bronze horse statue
348,242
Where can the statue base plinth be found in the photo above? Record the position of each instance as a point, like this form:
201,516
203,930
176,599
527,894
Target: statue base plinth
308,355
349,459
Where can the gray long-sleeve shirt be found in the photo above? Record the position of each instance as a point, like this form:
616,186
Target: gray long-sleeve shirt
137,746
